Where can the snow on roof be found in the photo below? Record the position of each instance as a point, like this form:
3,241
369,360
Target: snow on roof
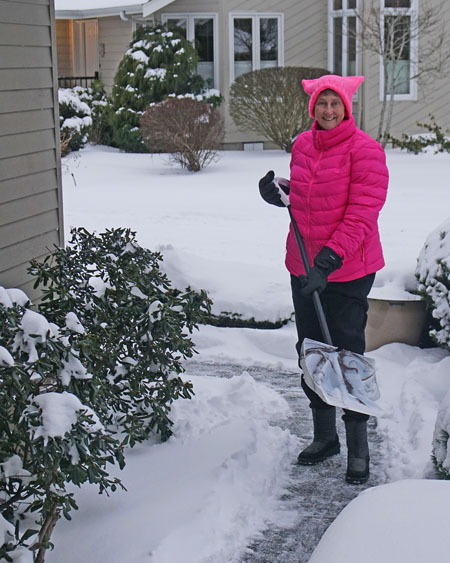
89,8
73,5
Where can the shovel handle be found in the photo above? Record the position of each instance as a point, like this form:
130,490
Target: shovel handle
315,296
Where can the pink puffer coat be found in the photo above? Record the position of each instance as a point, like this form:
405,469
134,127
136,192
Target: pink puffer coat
338,185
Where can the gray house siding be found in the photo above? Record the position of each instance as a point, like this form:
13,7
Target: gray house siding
31,219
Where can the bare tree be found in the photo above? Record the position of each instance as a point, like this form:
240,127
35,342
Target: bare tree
411,45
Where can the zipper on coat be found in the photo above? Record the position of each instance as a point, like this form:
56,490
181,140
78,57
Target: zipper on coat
308,222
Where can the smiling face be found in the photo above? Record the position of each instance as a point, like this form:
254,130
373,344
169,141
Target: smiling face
329,110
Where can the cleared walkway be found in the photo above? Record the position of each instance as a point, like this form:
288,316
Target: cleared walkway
318,493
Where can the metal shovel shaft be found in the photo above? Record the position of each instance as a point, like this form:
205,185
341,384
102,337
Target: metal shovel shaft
315,296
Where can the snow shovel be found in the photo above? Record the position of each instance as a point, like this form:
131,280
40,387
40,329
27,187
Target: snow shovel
341,378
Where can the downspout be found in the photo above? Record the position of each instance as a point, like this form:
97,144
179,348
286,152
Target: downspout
123,17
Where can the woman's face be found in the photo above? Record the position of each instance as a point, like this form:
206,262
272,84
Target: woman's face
329,110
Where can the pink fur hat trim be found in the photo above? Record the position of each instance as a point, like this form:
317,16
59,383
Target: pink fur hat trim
345,86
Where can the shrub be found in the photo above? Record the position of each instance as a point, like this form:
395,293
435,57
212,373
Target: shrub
441,439
48,437
191,131
100,132
136,328
417,143
433,275
157,64
272,102
84,117
75,120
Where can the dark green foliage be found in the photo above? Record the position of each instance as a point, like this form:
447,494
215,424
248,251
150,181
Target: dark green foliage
36,461
75,120
235,320
136,327
158,64
100,132
417,143
84,116
272,102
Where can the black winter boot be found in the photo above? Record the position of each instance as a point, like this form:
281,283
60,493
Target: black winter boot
326,441
358,452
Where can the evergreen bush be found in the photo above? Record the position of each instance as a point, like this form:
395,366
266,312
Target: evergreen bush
190,130
136,328
158,64
75,120
416,144
48,437
272,102
433,275
84,116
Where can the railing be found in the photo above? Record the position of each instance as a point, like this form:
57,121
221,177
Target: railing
71,81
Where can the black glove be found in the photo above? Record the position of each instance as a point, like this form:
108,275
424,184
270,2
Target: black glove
269,188
326,262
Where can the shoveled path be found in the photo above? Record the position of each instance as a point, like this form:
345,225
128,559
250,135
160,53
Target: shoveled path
318,493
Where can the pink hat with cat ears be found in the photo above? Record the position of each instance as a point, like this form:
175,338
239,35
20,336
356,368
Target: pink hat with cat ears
345,86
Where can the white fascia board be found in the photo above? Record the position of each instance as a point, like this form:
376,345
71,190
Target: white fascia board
97,12
153,5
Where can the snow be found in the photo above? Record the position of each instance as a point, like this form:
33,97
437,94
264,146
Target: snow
95,4
59,414
398,514
34,329
5,357
205,494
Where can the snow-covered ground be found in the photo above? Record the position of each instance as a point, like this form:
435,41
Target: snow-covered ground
202,496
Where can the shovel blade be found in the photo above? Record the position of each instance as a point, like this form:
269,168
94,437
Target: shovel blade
340,378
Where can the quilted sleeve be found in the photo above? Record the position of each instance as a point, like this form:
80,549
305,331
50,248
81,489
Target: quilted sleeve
367,194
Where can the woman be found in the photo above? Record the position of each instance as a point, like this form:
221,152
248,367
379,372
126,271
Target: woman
337,188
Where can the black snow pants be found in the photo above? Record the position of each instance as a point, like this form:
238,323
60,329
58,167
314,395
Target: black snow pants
345,305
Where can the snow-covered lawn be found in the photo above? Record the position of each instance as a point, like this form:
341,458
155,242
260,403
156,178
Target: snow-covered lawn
205,493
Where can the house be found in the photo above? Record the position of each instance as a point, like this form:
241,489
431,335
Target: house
31,220
235,36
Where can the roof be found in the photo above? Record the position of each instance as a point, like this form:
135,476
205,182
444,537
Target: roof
95,8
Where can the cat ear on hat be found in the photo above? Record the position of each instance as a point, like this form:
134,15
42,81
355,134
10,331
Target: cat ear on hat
310,85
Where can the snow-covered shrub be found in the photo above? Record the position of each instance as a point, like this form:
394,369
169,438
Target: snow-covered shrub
100,132
441,439
48,437
136,328
272,102
435,138
190,130
75,119
84,116
433,275
157,64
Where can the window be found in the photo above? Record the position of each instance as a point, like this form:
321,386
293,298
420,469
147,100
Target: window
397,19
200,29
256,42
343,28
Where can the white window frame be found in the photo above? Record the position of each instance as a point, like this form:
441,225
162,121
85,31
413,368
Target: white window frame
413,49
344,13
255,17
190,31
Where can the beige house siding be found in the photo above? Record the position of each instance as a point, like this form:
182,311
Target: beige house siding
64,38
305,35
30,185
114,36
432,93
306,43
